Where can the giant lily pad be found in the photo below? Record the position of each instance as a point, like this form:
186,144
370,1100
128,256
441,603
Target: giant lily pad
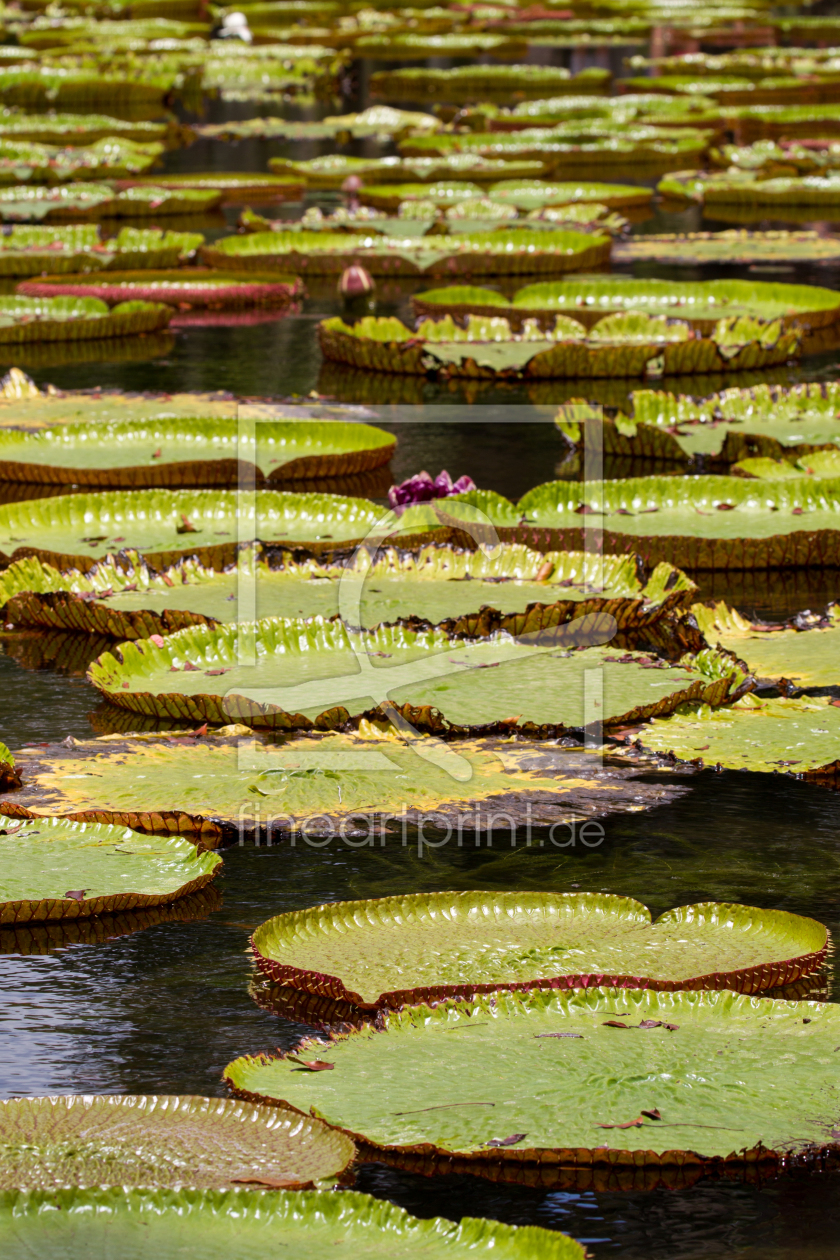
229,186
413,47
781,735
83,129
74,202
197,287
698,522
804,653
125,1140
215,1225
403,950
587,299
77,529
25,320
58,869
24,161
332,170
188,452
377,120
514,252
767,1080
750,188
509,588
463,84
522,194
316,673
33,251
216,789
630,343
733,246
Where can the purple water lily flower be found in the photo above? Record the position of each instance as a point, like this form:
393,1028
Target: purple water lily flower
423,489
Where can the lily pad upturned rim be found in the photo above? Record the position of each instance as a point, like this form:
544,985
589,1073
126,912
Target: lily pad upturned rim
470,1235
23,911
301,1131
677,1166
749,979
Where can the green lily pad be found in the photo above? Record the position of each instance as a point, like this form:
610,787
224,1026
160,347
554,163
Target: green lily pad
47,1144
733,1073
700,522
462,84
628,343
691,249
390,47
33,203
532,194
771,736
216,1225
25,160
332,170
82,129
504,252
34,251
73,530
24,320
377,120
215,789
805,653
128,600
399,951
319,673
819,464
188,451
587,299
750,188
58,869
230,186
197,287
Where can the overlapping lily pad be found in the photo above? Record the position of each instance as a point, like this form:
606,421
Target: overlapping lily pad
218,789
804,652
188,452
523,194
24,160
514,252
509,589
748,429
752,189
48,1144
25,320
26,203
35,251
60,869
398,951
377,120
699,303
320,674
228,186
210,1224
331,171
197,287
766,1067
691,249
781,735
463,84
630,343
700,522
77,529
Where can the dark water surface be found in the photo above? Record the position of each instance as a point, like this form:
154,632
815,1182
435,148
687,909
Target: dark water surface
165,1008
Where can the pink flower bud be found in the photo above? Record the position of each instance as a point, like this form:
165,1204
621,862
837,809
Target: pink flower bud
355,282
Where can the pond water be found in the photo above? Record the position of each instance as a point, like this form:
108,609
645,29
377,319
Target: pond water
165,1008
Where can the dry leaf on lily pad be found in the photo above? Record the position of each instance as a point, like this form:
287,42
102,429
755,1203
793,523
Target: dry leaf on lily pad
54,868
800,737
401,950
321,674
512,588
216,1224
746,1082
156,1142
219,789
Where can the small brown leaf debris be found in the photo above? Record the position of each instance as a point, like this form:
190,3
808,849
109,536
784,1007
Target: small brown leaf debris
725,507
313,1065
157,454
545,571
76,894
186,526
507,1141
653,1114
190,668
214,673
628,1124
272,1184
578,1035
615,1023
